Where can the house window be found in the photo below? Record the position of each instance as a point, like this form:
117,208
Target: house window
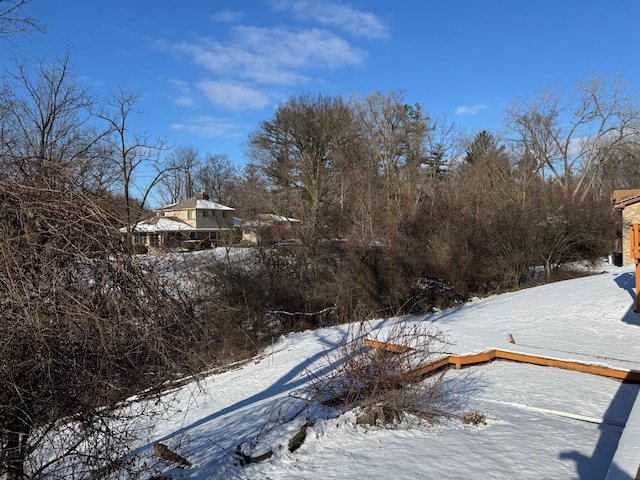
190,214
224,214
205,213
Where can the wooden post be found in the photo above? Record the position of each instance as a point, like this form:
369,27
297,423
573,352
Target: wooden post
637,310
634,239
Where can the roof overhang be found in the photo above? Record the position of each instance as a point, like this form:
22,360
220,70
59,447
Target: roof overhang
626,202
166,225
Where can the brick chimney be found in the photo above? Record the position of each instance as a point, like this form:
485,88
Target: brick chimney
204,195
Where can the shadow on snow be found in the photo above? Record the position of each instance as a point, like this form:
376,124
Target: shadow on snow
599,463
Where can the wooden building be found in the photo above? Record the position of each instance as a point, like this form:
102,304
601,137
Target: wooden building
627,202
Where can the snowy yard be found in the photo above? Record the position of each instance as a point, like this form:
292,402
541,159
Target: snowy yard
541,422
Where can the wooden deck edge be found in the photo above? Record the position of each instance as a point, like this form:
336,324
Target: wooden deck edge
459,361
391,347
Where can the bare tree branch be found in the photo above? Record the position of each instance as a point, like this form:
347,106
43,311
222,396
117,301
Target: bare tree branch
14,20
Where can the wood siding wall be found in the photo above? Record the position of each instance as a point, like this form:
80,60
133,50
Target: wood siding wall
630,214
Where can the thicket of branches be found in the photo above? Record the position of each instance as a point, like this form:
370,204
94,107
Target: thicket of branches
369,378
84,325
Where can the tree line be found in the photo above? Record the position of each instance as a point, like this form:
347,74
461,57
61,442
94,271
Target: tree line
403,213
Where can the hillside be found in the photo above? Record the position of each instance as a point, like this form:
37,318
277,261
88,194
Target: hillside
540,422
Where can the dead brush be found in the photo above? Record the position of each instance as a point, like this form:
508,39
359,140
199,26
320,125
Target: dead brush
367,378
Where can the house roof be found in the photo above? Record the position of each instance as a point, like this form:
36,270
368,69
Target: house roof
281,219
626,202
197,203
267,219
167,224
161,224
620,195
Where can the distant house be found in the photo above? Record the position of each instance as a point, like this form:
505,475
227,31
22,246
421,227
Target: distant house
196,222
628,203
269,228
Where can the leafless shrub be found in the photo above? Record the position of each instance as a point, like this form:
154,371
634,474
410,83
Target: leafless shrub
238,297
83,327
367,377
94,445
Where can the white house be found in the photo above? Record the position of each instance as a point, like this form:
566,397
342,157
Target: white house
196,222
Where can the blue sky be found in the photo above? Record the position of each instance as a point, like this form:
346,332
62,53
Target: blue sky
209,71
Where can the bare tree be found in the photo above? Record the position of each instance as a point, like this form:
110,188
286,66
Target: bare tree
302,151
83,327
46,135
387,124
253,188
14,20
566,230
396,133
180,181
572,137
621,172
218,177
413,149
443,146
132,154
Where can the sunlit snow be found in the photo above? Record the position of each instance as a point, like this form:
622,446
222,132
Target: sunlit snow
541,422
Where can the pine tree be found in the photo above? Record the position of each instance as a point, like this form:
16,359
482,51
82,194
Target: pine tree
484,145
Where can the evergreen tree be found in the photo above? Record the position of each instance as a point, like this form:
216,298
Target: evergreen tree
484,146
436,162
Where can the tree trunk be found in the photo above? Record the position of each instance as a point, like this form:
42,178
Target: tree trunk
16,449
547,271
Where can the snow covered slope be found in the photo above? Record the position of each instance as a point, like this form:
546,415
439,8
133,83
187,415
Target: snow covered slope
542,422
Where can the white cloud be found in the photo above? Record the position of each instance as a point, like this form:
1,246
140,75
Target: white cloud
473,110
355,22
210,127
248,66
272,55
227,16
233,95
184,95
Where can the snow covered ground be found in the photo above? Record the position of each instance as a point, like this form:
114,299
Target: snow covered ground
542,422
